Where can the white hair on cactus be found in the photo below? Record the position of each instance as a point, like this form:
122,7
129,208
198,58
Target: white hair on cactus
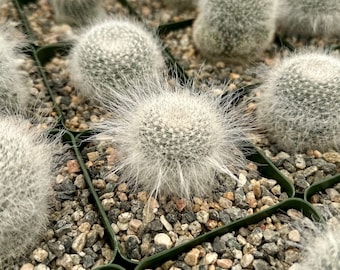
172,140
14,92
235,30
110,54
299,102
309,18
78,12
28,159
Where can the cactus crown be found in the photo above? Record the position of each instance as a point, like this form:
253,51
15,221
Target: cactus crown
172,141
78,12
111,53
309,17
299,104
234,29
26,163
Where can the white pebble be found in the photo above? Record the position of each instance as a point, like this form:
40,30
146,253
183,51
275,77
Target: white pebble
163,239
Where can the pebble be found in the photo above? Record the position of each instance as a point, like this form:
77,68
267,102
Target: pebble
27,266
65,261
163,239
135,224
332,157
202,216
210,258
246,260
191,258
224,263
40,254
79,242
294,235
41,266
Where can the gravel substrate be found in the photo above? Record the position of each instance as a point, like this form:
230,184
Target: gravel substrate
156,13
79,112
328,201
75,238
273,243
141,229
45,28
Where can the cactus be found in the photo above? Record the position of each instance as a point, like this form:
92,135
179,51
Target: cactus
321,250
14,93
298,104
78,12
309,18
172,141
236,30
110,54
27,157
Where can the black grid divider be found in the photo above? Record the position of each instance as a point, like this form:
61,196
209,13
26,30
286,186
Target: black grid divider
119,262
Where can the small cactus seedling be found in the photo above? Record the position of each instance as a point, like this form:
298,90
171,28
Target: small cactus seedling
110,54
236,30
309,18
14,93
27,159
78,12
172,141
299,102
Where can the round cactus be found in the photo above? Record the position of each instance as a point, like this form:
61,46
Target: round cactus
321,250
309,18
27,159
110,54
173,141
236,30
78,12
299,102
14,93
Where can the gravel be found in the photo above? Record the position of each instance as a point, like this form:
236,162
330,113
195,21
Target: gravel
75,238
275,242
173,218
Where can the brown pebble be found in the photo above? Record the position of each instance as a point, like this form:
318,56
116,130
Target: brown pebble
181,204
72,166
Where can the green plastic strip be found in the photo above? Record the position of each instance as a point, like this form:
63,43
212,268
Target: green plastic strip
322,185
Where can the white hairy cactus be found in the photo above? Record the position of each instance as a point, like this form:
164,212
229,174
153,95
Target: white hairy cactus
27,159
14,93
321,249
309,18
299,102
109,54
236,30
172,141
78,12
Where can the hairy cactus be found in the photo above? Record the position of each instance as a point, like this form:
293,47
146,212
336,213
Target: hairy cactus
299,102
172,141
14,93
236,30
110,54
321,250
309,17
27,158
78,12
